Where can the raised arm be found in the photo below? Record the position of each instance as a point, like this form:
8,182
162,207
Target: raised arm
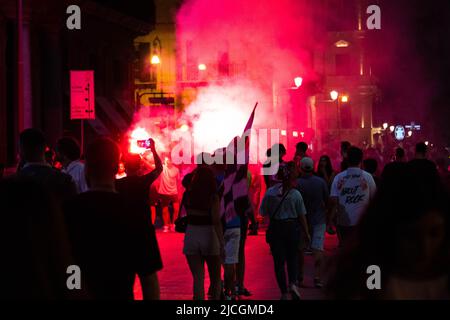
154,174
158,163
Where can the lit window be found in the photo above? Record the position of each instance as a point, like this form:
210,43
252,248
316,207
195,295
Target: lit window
342,44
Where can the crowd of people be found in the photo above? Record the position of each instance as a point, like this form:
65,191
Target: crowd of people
99,211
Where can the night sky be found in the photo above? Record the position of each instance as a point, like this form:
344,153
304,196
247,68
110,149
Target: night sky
413,63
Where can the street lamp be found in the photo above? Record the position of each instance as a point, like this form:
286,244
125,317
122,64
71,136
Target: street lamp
385,125
334,95
155,59
392,128
344,99
202,67
298,81
410,133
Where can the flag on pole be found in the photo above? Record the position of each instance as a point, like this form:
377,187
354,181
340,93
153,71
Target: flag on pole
235,200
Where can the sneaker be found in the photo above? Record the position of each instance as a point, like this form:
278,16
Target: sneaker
230,298
209,294
331,231
295,292
166,229
285,296
318,283
243,292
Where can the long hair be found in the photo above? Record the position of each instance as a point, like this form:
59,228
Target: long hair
201,189
328,165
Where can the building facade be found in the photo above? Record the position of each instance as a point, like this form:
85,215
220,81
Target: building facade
41,98
339,60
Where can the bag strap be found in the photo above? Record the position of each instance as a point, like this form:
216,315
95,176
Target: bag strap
272,216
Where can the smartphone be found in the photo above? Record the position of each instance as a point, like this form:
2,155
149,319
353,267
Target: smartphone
144,143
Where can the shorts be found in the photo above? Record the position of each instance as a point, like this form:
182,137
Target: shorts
201,240
232,239
318,236
166,199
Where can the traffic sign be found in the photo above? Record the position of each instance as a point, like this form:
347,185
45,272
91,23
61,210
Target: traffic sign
82,97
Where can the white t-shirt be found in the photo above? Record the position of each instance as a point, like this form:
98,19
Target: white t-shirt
354,188
76,170
168,184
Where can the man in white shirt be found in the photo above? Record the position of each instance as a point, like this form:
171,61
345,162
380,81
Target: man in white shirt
351,190
168,193
68,153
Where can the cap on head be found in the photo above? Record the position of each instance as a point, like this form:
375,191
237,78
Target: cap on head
307,164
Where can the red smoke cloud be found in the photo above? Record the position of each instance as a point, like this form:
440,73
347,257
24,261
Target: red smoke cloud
266,44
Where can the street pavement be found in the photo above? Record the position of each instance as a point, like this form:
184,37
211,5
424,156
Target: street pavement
176,280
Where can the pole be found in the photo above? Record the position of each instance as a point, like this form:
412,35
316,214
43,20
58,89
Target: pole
338,115
82,137
20,99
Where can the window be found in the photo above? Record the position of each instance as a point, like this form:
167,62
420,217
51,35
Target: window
346,116
192,71
142,67
345,65
224,64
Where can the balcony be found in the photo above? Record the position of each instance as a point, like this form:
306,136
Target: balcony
190,75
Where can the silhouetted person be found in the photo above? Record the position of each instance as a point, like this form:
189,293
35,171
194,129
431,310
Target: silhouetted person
33,242
345,145
315,193
422,168
112,237
283,204
325,170
442,164
406,233
275,157
203,242
200,161
33,164
351,192
371,166
300,152
421,150
168,194
135,187
400,157
68,154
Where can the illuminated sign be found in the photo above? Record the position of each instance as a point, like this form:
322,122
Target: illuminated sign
399,133
82,98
